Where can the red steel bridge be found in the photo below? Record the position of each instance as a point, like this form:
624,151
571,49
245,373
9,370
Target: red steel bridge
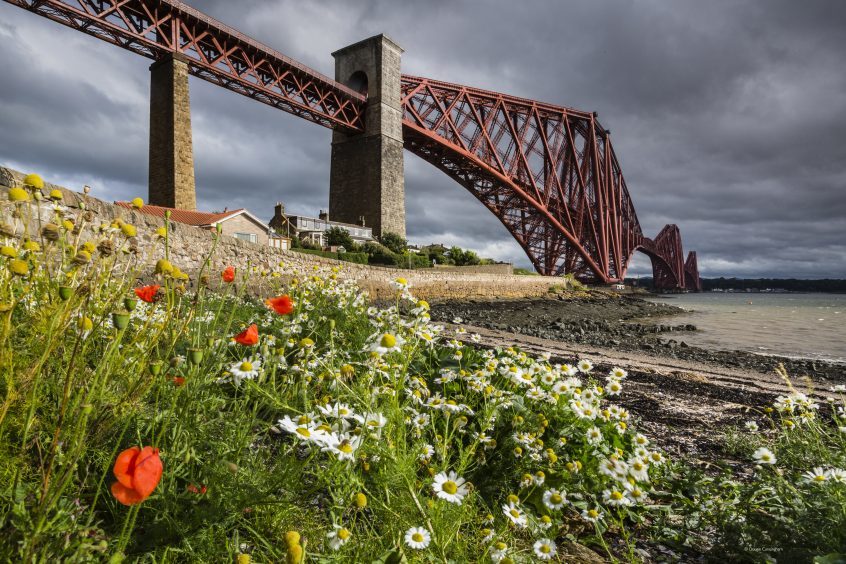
548,172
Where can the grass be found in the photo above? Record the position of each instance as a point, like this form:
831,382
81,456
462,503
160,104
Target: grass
344,433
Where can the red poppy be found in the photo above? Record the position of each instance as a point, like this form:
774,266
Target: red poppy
228,274
138,471
248,337
283,305
178,381
147,293
199,490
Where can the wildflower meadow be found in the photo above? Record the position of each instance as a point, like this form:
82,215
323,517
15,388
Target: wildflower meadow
239,414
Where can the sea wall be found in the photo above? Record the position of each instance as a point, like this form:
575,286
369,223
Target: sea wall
189,247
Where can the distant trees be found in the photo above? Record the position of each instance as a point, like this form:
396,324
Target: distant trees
396,243
462,257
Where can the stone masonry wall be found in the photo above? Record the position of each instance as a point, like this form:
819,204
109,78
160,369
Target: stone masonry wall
190,245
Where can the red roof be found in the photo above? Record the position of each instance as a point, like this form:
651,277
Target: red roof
189,217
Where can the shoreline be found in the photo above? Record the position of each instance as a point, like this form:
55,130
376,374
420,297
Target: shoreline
687,398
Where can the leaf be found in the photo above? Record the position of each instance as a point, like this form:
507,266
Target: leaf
833,558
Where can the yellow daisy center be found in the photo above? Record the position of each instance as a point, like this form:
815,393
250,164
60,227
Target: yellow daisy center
449,487
344,534
388,341
246,366
417,537
555,498
303,431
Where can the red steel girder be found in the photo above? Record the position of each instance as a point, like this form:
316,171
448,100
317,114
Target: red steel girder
549,173
691,273
216,53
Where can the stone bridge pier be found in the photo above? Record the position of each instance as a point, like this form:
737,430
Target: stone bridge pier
366,181
171,159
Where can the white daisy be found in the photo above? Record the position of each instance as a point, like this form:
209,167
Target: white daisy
247,369
554,499
594,436
816,476
498,552
545,549
417,538
617,373
386,343
764,456
751,426
615,498
592,515
372,421
342,446
450,487
304,429
338,537
585,366
515,514
614,387
426,452
338,410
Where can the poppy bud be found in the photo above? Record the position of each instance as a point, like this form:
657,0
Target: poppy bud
195,356
120,320
65,292
129,304
156,367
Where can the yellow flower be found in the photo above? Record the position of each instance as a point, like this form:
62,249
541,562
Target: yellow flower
32,246
85,324
56,194
19,267
161,232
67,224
33,181
360,500
163,266
128,230
18,195
82,257
137,203
89,247
292,538
306,343
8,251
242,558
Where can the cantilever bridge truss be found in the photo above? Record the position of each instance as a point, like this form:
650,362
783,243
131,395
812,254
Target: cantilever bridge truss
549,173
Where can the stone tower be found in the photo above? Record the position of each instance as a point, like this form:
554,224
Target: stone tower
366,178
171,173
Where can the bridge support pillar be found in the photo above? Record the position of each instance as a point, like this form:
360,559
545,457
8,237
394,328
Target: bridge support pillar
366,179
171,172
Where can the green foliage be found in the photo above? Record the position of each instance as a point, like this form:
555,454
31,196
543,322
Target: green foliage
337,236
524,271
345,422
359,258
396,243
790,509
461,257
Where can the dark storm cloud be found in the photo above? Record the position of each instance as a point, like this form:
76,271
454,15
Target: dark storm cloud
728,117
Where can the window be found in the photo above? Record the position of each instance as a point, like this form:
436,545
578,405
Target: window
251,237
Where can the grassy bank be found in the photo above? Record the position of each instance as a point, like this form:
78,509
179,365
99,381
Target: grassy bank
167,422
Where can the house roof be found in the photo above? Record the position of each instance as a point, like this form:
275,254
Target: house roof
192,217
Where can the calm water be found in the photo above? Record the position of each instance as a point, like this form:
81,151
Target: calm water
793,325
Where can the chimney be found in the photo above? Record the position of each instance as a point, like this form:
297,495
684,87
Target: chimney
279,210
361,220
324,215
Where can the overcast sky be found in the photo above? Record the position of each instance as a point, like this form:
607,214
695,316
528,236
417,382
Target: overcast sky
728,116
